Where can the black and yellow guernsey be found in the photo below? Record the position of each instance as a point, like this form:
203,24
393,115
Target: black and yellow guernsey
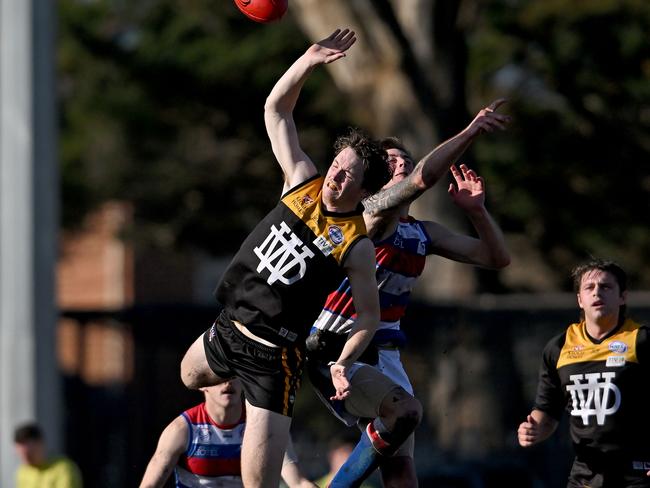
605,386
279,279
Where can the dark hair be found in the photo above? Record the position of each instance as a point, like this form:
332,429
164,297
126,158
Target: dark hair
376,173
28,432
394,143
606,267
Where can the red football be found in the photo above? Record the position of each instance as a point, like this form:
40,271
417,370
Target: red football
262,10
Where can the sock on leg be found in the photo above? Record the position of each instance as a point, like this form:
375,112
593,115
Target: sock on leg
363,460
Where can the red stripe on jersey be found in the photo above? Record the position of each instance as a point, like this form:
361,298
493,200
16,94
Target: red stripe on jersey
213,467
397,261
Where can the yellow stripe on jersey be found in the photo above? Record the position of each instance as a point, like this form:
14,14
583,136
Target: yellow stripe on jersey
579,348
287,382
333,234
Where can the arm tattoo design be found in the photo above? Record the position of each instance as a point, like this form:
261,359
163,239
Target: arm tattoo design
403,192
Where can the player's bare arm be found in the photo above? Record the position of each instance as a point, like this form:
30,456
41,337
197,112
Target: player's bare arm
172,443
360,268
434,165
489,249
278,110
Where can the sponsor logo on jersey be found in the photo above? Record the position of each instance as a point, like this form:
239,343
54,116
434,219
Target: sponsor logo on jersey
576,352
617,346
323,245
336,234
615,361
284,255
292,336
594,395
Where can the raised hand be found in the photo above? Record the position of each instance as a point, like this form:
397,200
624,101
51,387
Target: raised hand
333,47
488,119
469,192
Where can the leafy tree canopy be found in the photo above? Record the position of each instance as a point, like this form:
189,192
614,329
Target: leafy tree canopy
161,105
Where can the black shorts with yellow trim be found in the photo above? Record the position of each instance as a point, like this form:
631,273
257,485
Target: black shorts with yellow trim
270,375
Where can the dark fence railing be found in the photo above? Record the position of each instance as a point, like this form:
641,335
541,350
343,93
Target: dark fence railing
473,366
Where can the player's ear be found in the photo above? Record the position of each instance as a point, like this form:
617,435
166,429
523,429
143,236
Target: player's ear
623,298
579,300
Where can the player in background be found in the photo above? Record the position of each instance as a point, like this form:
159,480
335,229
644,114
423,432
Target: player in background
37,468
202,446
598,371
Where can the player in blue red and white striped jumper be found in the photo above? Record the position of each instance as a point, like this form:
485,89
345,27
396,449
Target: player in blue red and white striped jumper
203,445
402,244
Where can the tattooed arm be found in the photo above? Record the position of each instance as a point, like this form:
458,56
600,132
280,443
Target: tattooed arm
435,164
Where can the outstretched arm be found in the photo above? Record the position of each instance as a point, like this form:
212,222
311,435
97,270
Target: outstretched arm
435,164
538,427
278,110
490,249
172,443
360,267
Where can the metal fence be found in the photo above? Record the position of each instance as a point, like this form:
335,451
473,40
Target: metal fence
473,365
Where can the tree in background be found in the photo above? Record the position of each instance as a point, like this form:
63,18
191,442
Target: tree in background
162,106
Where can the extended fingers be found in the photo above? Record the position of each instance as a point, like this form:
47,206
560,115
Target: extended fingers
456,174
493,120
344,39
496,104
470,174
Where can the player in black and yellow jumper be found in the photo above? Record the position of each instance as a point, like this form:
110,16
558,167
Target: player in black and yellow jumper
599,372
277,282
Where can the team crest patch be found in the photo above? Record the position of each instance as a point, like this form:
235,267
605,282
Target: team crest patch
204,433
303,202
617,346
336,234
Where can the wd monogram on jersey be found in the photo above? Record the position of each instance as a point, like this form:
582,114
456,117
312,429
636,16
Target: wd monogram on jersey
278,281
594,394
604,384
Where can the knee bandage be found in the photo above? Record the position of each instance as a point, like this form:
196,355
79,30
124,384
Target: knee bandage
387,442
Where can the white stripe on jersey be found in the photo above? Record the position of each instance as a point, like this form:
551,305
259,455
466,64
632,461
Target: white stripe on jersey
191,480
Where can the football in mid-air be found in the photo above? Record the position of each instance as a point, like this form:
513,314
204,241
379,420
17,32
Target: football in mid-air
262,10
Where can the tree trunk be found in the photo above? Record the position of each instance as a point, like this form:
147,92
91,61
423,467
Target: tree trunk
405,77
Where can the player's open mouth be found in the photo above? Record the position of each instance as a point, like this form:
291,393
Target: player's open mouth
332,186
